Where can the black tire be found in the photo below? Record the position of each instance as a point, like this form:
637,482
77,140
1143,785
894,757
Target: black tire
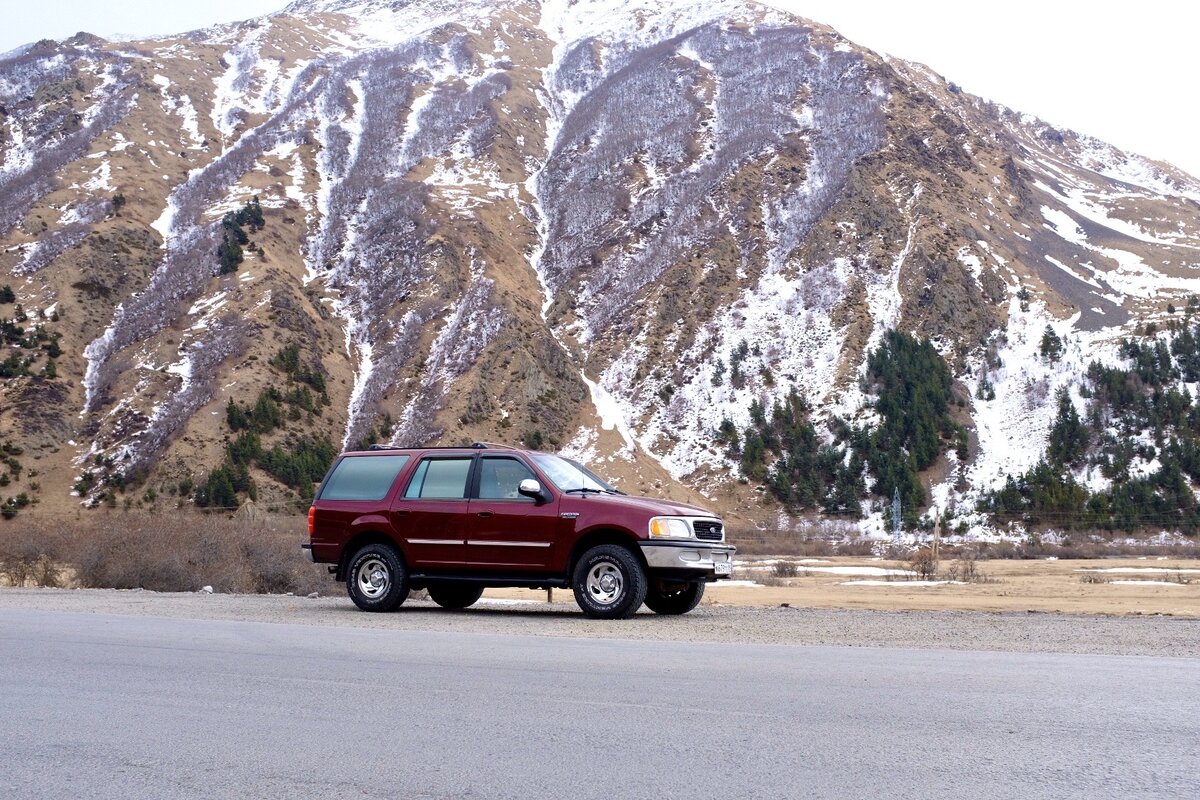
674,598
454,595
377,579
609,582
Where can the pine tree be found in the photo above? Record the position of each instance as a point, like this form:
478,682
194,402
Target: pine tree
1068,436
914,387
218,491
229,254
985,391
236,417
1052,346
718,376
287,359
1186,349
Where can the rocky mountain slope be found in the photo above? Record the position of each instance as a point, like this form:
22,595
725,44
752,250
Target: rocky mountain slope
544,222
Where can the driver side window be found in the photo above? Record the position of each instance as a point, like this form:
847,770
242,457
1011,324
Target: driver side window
500,477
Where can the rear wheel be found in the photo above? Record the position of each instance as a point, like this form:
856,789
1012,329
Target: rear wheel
609,582
377,579
665,597
454,595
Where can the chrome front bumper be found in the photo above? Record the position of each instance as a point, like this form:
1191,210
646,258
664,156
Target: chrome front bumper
690,556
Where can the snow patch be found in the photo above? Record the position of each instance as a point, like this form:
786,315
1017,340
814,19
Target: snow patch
611,414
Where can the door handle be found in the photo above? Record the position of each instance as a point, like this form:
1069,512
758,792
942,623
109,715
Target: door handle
485,513
401,513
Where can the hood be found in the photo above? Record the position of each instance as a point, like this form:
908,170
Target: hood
651,506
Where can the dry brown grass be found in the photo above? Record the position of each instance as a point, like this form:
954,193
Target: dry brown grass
1014,585
166,553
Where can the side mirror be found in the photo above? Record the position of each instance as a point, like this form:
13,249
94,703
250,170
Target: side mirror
531,488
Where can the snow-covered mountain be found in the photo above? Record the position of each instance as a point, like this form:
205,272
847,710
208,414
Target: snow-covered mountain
546,222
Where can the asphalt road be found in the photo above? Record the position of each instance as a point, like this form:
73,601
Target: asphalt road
105,706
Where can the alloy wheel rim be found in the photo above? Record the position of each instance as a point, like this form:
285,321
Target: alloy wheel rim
605,583
374,578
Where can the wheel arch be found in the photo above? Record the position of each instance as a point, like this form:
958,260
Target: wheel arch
599,536
360,540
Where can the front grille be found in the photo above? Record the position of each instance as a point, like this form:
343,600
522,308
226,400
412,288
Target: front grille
709,531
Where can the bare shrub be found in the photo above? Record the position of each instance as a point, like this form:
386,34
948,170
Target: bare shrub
786,569
922,563
166,553
24,563
47,573
997,550
15,567
856,547
962,571
965,568
815,548
1092,577
1036,392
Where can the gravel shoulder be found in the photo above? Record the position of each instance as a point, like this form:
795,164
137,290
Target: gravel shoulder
954,630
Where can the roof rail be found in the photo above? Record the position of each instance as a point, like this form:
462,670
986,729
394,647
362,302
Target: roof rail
472,446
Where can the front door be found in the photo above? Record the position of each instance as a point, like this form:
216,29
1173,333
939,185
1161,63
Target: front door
432,512
509,531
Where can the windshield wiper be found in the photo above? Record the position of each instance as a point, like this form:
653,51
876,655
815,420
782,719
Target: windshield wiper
584,489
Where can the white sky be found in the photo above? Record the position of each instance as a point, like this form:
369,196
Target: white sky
1125,73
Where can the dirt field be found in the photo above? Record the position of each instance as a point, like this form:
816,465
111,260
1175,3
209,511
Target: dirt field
1125,586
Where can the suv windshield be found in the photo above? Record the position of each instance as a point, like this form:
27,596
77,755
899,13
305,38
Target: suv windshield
570,475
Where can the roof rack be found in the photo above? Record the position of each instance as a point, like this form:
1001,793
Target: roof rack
472,446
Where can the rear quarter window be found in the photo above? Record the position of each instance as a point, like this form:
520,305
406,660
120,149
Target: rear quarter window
363,477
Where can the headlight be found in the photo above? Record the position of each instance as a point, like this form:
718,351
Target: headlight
670,528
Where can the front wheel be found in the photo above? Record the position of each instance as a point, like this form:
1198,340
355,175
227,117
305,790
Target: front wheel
454,595
674,598
377,579
609,582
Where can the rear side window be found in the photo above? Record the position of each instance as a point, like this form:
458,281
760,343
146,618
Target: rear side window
363,477
439,479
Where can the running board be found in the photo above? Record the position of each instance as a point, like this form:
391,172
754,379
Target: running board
491,581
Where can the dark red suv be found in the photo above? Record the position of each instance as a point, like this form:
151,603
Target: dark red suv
458,520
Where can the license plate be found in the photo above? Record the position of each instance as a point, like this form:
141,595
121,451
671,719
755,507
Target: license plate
722,568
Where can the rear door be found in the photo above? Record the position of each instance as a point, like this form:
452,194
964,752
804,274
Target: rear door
431,514
508,531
